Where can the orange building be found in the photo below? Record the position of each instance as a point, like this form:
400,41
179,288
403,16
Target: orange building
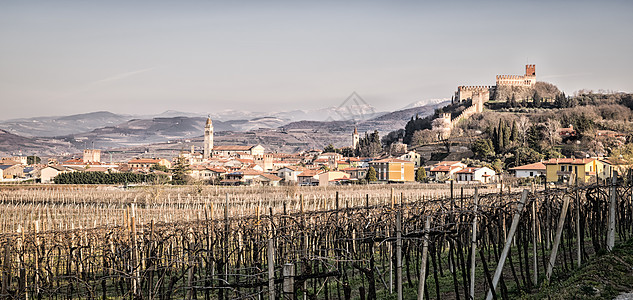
393,169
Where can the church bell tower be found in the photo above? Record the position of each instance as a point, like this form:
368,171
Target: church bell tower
208,139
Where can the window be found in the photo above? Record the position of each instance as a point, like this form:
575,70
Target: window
562,168
531,174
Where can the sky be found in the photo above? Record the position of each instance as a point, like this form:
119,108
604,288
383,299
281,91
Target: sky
146,57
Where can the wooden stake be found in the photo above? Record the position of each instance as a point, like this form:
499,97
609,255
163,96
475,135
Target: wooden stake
559,233
508,243
474,246
611,232
425,253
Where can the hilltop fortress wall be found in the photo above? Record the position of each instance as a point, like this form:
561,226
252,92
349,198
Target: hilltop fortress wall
478,95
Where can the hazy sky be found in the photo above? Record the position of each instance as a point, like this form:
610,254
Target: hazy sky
140,57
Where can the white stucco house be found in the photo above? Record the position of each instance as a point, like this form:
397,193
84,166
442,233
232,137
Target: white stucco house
474,174
531,170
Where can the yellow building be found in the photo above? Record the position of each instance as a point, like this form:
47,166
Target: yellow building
563,169
393,169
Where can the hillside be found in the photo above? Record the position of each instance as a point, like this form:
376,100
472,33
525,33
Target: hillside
62,125
11,143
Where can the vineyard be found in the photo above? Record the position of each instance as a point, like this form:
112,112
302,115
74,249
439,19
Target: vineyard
375,242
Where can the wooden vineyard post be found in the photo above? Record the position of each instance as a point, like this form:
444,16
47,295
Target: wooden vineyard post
425,253
135,272
611,232
399,252
393,200
474,245
225,249
6,269
271,268
289,281
559,233
508,243
578,245
534,248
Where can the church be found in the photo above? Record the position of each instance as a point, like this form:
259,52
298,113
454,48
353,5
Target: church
227,150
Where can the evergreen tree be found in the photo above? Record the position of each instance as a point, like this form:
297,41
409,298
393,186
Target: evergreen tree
32,159
329,149
500,137
506,135
514,136
371,174
179,171
536,99
420,175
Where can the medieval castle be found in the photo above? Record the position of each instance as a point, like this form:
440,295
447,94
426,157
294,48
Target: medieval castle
478,95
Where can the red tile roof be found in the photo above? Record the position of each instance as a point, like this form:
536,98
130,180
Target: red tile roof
468,170
573,161
534,166
144,161
391,160
232,148
444,168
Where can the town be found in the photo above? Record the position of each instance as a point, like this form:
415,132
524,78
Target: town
365,161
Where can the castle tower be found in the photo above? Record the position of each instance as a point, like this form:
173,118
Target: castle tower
530,70
208,139
355,138
92,156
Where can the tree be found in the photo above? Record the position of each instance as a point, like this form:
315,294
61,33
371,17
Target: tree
500,146
515,132
551,132
522,126
329,149
513,101
180,177
623,154
392,137
420,175
421,137
369,145
536,99
442,127
482,148
534,136
523,156
347,151
32,159
371,174
158,167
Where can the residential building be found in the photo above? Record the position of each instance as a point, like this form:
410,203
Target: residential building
393,170
563,169
147,163
309,177
231,150
567,132
11,171
475,174
328,178
529,170
48,173
356,173
413,157
290,173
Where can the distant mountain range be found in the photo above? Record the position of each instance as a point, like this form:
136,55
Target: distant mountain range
103,130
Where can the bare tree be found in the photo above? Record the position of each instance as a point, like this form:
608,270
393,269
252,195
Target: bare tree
522,126
421,137
442,127
551,132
